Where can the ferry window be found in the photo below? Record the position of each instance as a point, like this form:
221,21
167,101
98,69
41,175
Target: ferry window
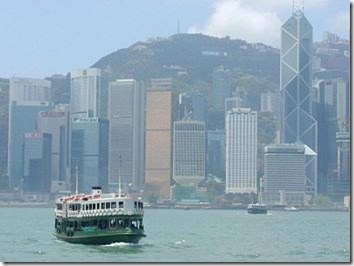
94,206
103,205
121,205
90,206
126,222
114,205
108,205
70,207
134,225
135,204
142,205
98,206
113,223
120,222
86,206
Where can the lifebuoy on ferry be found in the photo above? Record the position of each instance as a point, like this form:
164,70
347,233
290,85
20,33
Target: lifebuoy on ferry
114,211
120,211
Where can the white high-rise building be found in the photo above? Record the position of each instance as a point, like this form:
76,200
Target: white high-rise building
241,151
29,90
85,93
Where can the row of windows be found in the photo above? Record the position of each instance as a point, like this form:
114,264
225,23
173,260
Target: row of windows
98,206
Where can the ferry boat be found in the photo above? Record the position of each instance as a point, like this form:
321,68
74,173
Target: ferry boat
98,218
257,208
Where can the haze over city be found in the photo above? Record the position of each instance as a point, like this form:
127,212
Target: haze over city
39,40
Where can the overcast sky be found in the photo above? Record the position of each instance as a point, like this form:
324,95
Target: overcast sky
39,38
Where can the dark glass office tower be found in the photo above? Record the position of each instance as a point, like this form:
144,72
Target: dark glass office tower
298,123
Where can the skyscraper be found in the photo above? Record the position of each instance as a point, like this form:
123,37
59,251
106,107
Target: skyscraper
189,152
89,152
127,132
4,89
241,151
85,93
221,88
298,124
160,105
339,185
284,174
57,124
37,162
27,98
216,153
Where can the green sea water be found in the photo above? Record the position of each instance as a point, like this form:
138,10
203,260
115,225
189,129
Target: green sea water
187,236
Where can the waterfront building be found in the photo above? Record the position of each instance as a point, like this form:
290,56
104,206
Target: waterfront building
189,152
284,174
343,104
333,116
22,118
298,123
37,162
127,132
241,151
4,98
221,88
216,153
57,123
85,93
89,152
339,185
161,102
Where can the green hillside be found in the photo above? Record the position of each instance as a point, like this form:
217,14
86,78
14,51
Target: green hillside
190,60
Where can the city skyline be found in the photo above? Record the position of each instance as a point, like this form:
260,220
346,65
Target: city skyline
48,51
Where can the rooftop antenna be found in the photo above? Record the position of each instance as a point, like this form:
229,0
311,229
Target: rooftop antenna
119,183
298,5
77,179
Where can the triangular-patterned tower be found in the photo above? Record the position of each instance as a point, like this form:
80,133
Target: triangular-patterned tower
298,124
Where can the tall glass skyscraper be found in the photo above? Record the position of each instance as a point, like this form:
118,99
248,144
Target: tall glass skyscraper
89,152
126,132
298,123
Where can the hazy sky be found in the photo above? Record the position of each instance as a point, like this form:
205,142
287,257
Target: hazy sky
39,38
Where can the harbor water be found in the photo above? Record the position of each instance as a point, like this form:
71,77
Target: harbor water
175,235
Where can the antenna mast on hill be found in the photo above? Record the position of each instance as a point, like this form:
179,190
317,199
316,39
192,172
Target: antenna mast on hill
178,26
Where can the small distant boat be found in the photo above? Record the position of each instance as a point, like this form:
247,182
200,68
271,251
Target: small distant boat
291,209
257,208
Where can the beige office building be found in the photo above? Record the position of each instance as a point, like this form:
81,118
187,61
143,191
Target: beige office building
159,123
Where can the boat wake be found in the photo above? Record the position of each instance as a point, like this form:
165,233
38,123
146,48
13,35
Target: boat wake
121,244
180,242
